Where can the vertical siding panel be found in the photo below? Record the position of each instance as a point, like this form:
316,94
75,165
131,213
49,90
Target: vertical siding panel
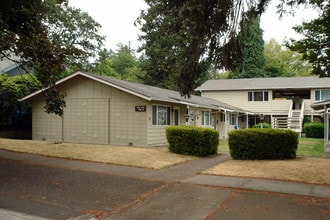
45,126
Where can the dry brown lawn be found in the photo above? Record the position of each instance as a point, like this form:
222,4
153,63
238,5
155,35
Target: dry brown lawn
305,170
127,156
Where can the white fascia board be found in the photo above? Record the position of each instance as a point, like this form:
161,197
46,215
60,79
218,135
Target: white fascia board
29,96
225,109
245,112
236,111
320,104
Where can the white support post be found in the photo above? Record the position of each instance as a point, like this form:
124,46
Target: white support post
326,127
247,120
226,126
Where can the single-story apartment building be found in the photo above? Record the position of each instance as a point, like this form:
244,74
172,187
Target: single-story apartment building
283,102
104,110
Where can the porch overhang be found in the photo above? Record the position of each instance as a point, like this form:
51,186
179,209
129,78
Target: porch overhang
323,107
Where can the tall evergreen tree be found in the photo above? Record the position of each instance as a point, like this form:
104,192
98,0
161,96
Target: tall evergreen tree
251,64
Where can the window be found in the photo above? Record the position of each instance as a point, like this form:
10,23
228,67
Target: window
160,115
222,117
233,119
322,95
258,96
206,119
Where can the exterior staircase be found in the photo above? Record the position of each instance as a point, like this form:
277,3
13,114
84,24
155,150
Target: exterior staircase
294,121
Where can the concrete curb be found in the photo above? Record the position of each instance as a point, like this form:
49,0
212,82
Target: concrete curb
262,185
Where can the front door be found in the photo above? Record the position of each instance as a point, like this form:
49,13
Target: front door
176,114
296,103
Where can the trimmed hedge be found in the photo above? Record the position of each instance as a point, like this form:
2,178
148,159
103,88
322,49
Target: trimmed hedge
263,144
314,130
191,140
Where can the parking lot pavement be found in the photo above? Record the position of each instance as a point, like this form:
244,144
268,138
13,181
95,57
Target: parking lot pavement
58,193
66,189
195,202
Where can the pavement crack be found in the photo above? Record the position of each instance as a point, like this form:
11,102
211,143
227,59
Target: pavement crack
222,205
140,199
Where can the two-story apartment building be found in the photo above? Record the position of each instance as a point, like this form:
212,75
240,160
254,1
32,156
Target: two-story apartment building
282,102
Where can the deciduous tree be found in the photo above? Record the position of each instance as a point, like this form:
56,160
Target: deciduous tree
315,45
183,38
281,61
49,35
122,64
11,89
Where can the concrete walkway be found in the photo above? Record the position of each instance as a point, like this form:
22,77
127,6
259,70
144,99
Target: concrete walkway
186,173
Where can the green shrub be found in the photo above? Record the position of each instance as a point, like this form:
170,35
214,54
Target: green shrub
264,125
194,141
262,144
314,130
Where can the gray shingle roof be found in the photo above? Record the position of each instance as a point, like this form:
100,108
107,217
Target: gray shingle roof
7,65
265,83
150,93
165,95
321,105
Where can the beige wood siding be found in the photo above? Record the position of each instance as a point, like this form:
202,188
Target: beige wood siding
127,127
95,113
45,126
271,107
86,121
156,134
240,99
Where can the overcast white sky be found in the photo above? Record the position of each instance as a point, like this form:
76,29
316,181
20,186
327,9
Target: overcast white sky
117,19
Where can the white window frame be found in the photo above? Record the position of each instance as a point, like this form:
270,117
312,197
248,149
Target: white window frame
222,117
233,119
252,96
161,115
322,95
206,118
